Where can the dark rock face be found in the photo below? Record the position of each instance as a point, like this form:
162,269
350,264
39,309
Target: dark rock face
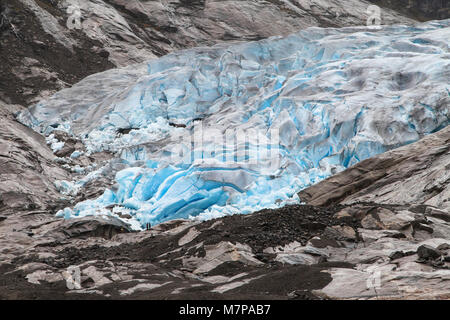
385,219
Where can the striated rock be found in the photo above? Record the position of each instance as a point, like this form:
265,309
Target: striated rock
438,214
369,222
44,275
377,283
27,169
353,284
215,255
188,237
418,9
396,255
105,227
373,235
294,253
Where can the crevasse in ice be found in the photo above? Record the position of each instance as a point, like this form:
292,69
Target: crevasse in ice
241,127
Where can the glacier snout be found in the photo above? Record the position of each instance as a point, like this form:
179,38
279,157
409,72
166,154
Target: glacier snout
234,129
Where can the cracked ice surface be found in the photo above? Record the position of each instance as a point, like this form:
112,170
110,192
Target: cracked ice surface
335,97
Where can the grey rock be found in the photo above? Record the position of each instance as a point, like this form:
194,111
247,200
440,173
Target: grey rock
428,253
396,255
400,254
443,247
369,222
373,235
340,233
66,151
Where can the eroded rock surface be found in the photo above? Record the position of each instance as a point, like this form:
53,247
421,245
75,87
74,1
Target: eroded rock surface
297,252
384,233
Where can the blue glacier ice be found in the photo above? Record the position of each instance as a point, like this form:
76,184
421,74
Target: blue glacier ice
237,128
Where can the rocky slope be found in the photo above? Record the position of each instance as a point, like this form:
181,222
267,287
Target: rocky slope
415,174
41,54
414,177
379,230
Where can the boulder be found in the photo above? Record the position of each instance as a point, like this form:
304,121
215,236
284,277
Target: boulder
427,252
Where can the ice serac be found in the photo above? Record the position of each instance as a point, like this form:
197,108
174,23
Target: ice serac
308,105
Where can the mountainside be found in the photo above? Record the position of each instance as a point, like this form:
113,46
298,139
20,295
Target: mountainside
42,55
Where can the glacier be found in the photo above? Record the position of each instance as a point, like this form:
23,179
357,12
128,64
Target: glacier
213,131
